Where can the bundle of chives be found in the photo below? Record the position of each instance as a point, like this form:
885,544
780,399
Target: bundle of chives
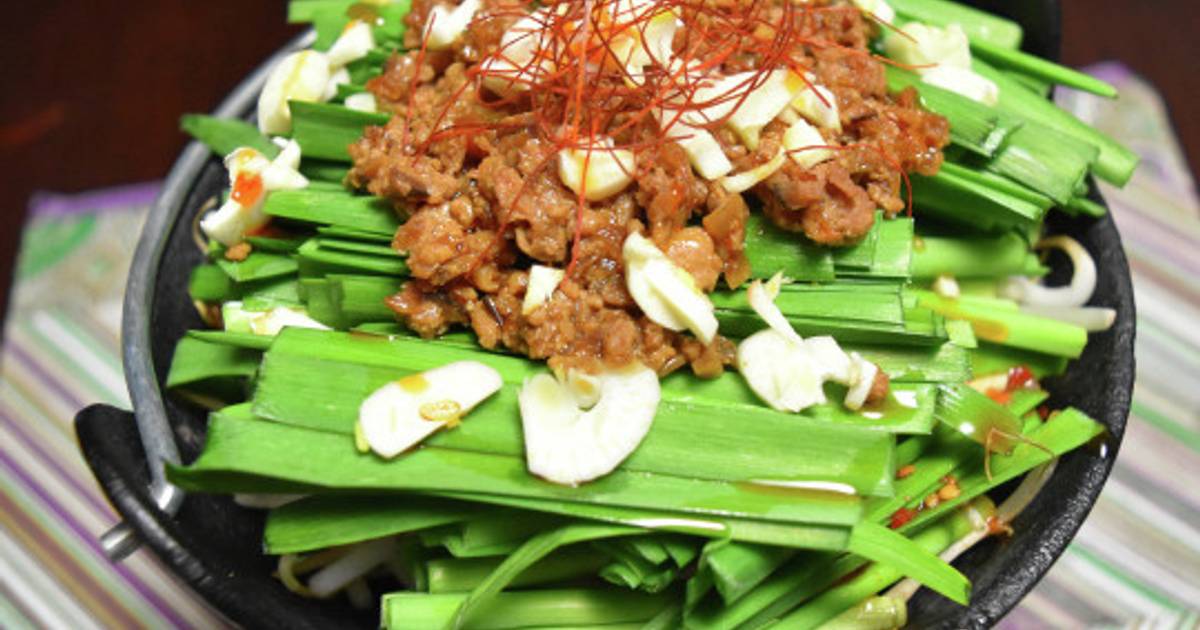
1115,163
340,209
973,126
325,130
317,380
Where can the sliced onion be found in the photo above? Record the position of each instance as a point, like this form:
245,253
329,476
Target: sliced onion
1077,293
359,561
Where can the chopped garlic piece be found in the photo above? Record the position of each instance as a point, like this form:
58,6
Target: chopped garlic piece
362,102
542,283
511,68
339,77
402,413
300,76
703,150
946,286
598,173
763,104
925,45
667,294
567,445
353,44
819,105
805,145
964,82
229,223
446,26
748,179
268,322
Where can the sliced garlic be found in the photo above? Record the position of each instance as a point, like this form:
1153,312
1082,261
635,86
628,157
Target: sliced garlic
268,322
805,145
645,42
353,44
780,371
667,294
300,76
819,105
512,68
362,102
542,283
567,445
283,172
599,172
762,299
788,372
925,45
964,82
748,179
402,413
446,26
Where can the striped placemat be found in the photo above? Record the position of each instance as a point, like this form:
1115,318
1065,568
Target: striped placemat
1136,562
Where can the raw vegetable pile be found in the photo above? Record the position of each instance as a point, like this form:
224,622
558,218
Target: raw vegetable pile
456,486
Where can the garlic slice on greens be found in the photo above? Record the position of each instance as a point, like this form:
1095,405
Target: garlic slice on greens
355,42
789,372
300,76
267,323
667,294
363,102
964,82
569,445
404,412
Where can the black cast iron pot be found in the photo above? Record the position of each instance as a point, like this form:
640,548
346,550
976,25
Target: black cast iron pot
215,545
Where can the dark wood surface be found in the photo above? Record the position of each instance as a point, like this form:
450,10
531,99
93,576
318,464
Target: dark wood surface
92,91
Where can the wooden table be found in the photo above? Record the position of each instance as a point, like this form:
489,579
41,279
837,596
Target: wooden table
92,91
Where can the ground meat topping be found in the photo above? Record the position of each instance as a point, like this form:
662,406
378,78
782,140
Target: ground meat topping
474,173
